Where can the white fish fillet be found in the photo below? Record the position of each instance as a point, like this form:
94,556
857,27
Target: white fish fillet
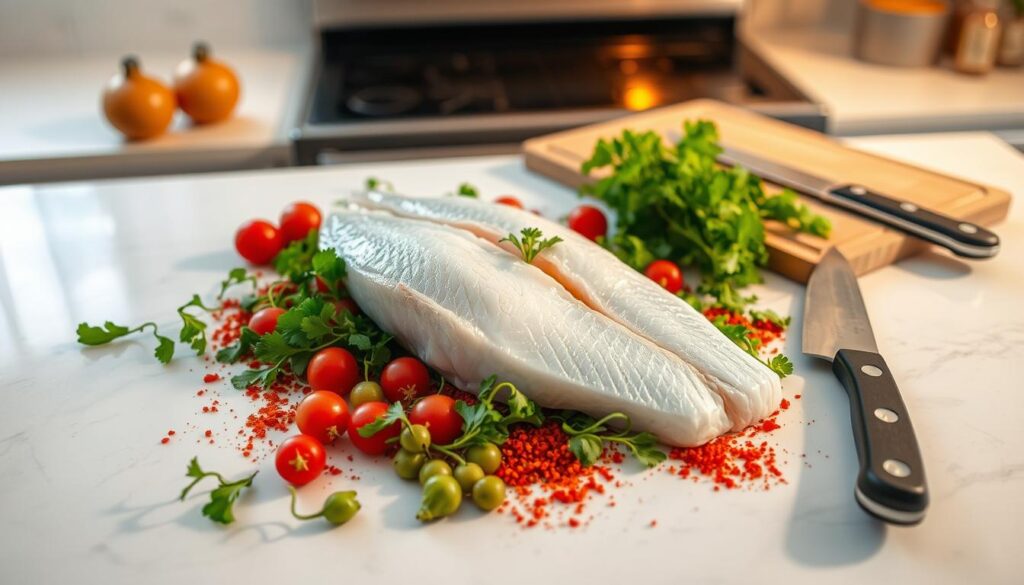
750,390
471,310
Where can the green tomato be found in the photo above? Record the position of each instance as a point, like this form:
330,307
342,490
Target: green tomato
442,496
432,468
364,392
340,507
487,456
415,438
467,475
489,493
407,464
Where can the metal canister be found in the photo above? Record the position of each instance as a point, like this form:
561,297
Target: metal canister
903,33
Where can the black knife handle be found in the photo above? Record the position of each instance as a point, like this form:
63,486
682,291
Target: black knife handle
963,238
891,484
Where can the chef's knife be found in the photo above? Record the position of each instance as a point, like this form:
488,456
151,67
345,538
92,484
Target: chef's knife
891,483
961,237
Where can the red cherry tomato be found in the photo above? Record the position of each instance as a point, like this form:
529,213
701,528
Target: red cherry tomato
667,274
365,414
297,219
323,415
265,320
588,221
510,201
437,413
333,369
342,305
300,459
258,241
405,379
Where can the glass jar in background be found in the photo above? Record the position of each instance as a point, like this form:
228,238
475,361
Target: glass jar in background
978,30
1011,44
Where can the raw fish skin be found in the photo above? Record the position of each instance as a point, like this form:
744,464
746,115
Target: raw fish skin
594,275
471,310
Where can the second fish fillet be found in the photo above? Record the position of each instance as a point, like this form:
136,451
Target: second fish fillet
751,391
471,310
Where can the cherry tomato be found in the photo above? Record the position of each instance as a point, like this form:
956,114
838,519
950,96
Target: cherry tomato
404,379
333,369
258,241
322,414
342,305
365,414
589,221
297,219
437,413
667,274
300,459
510,201
265,320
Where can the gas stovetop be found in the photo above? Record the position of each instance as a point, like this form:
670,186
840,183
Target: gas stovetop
408,88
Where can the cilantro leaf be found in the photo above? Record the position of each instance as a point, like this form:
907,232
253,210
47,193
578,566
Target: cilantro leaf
164,351
587,437
296,260
394,413
246,340
93,335
235,276
467,190
222,498
375,184
677,203
531,243
587,448
781,365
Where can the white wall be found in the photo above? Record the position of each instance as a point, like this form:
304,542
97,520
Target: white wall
55,27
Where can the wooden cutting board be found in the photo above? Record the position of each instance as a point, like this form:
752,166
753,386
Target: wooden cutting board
866,244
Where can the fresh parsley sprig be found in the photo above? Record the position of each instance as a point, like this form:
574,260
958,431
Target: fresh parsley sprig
94,335
740,335
531,243
193,332
222,499
677,203
236,276
587,437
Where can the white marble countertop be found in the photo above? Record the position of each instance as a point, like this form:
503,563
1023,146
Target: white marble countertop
864,98
89,493
52,126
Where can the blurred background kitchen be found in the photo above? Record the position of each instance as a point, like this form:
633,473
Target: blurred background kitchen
347,81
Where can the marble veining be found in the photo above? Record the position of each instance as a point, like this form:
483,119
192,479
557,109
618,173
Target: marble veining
89,495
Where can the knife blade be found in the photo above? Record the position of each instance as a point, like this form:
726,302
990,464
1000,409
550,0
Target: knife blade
963,238
891,482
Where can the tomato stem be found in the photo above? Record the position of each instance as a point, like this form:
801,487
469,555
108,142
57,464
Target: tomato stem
302,516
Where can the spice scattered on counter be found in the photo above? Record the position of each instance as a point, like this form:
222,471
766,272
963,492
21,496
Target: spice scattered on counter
733,461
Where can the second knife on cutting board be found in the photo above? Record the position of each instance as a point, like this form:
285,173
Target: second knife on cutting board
963,238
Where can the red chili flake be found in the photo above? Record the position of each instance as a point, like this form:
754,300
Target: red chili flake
170,433
784,405
209,378
764,332
209,433
654,523
574,523
165,440
733,460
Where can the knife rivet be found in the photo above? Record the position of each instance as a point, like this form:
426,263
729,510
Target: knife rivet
886,415
908,207
968,228
872,371
896,468
858,190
